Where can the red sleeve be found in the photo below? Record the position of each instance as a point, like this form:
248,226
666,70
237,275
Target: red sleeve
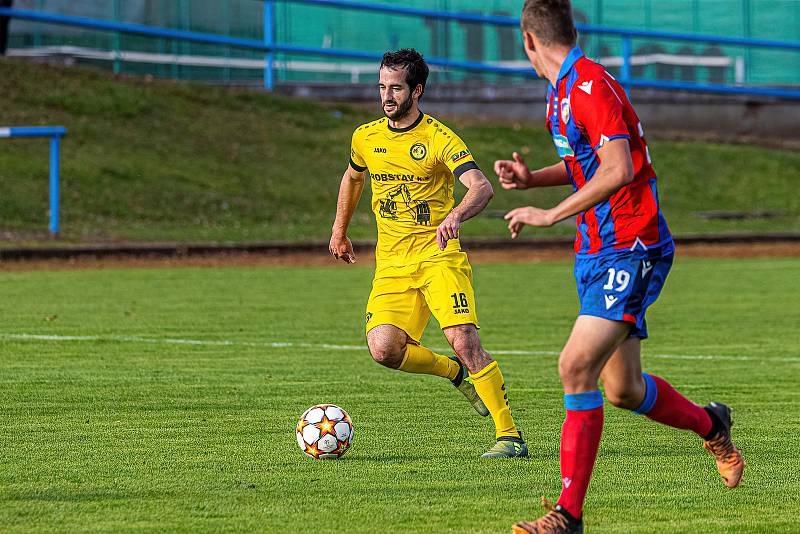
598,110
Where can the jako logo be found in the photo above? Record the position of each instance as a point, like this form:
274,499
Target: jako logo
379,150
462,154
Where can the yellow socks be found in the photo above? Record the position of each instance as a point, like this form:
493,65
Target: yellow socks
421,360
491,387
488,383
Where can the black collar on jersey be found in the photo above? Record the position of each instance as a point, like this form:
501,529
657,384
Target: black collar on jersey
407,128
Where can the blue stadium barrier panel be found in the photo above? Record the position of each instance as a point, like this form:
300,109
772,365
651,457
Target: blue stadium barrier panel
270,47
55,133
269,41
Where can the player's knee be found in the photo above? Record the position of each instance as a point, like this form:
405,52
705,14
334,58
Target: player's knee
388,353
575,372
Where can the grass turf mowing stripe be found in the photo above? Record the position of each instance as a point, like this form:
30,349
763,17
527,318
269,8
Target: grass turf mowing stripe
328,346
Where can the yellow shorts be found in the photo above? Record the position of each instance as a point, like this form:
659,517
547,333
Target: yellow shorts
405,296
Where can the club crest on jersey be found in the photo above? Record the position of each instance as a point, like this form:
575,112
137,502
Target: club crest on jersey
418,151
565,111
562,146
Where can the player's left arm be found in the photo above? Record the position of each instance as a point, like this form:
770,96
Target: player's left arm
615,172
599,113
479,193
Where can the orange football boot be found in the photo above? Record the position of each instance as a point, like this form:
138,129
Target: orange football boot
730,463
555,521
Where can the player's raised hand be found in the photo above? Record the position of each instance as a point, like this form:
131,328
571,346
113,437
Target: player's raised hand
519,217
448,230
513,174
342,248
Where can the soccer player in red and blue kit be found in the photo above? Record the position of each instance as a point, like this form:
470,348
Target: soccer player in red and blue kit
624,252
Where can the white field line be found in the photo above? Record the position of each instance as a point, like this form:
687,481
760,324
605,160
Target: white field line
173,341
356,348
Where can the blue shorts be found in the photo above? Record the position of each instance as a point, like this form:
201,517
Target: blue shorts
620,286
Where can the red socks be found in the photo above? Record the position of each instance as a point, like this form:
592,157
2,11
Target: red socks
662,403
580,439
583,426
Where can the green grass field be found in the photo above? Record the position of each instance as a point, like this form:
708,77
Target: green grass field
173,161
165,400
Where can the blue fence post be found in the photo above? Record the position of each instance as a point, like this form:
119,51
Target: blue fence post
269,41
625,70
748,32
37,33
117,38
55,133
55,141
226,71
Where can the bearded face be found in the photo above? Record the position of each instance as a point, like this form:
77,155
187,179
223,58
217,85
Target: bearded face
397,110
397,98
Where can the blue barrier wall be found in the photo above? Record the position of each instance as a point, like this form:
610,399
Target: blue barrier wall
347,37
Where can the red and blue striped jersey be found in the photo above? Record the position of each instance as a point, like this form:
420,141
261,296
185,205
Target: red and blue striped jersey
585,109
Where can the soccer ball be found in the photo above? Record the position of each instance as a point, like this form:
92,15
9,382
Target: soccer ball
324,431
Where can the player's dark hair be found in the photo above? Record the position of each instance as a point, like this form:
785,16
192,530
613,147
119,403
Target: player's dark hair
413,63
550,21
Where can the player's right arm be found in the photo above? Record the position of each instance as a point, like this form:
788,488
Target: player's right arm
515,174
349,194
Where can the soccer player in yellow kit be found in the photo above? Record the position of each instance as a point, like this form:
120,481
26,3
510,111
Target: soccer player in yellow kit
413,161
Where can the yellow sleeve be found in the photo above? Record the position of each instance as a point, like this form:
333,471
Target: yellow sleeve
356,159
454,153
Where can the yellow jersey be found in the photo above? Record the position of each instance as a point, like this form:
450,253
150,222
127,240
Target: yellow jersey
412,174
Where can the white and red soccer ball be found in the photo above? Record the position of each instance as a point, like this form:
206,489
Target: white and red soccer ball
324,431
